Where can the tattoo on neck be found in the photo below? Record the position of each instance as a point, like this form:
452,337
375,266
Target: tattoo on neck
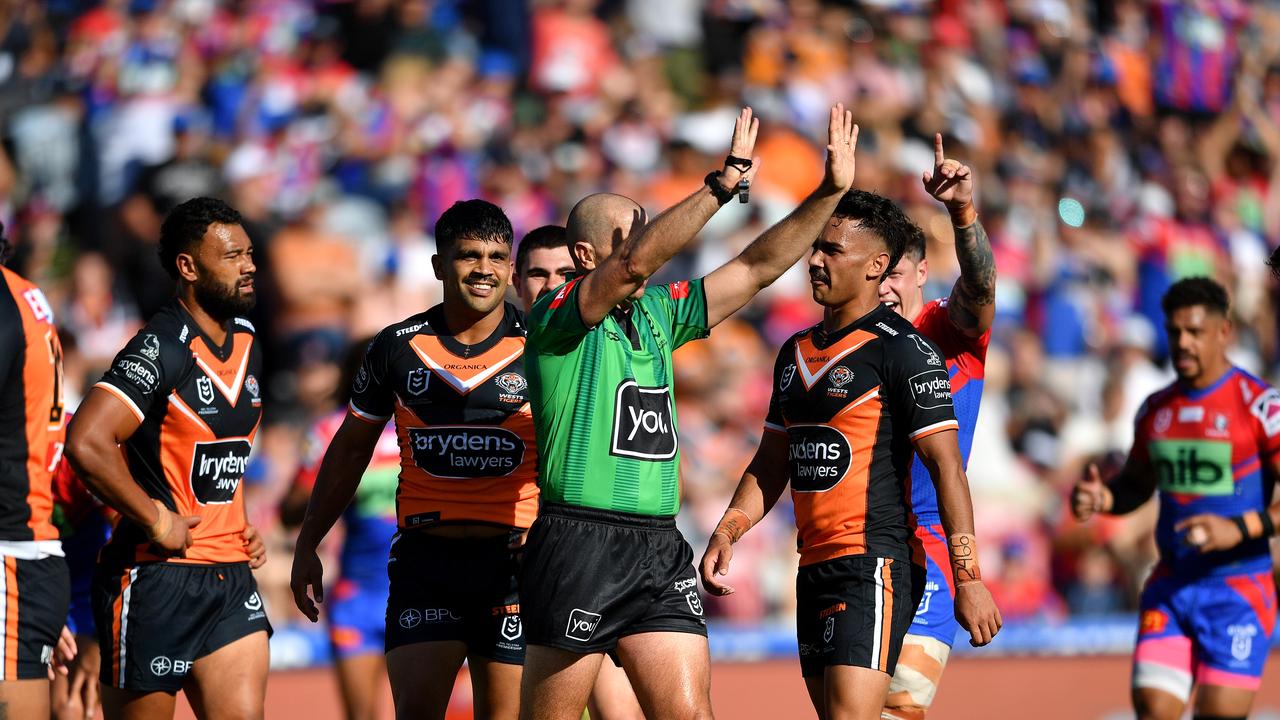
977,265
964,557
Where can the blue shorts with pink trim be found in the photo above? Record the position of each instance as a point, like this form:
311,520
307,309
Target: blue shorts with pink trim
1207,631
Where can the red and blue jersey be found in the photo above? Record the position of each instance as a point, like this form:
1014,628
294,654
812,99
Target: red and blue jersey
966,358
1211,451
370,520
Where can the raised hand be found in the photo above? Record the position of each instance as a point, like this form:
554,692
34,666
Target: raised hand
951,182
842,146
745,129
1089,496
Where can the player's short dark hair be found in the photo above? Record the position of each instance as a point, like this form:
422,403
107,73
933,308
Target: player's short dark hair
477,219
186,225
1193,291
882,217
915,247
547,236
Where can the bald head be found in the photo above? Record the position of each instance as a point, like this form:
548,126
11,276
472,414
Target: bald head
601,220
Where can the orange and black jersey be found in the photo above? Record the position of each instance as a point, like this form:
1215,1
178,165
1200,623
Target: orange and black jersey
462,418
851,404
32,428
199,405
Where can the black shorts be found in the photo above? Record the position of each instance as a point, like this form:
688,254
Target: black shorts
855,610
447,589
593,576
155,620
34,598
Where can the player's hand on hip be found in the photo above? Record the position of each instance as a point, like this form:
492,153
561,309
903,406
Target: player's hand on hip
842,147
307,571
1209,533
950,182
745,129
254,545
1090,495
977,613
171,532
715,563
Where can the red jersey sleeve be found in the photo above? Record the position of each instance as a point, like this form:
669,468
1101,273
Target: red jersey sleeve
934,322
1264,410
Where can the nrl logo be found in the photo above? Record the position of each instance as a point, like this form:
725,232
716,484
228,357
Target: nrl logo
788,374
417,381
512,383
841,376
204,388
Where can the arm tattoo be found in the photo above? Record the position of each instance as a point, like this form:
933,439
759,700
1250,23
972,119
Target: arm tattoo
977,285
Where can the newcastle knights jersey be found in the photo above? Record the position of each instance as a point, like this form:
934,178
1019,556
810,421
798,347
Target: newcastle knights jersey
462,416
966,359
1212,451
32,426
198,405
851,404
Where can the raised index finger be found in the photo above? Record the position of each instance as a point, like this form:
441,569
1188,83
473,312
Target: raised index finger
938,154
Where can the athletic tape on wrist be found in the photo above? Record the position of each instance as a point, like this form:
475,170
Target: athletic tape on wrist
963,548
964,216
730,527
163,520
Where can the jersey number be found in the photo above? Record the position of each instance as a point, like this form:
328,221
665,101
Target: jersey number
55,356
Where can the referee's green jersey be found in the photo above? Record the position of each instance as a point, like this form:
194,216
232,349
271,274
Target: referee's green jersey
603,405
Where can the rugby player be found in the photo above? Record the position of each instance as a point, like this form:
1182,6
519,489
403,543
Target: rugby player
175,601
543,263
453,378
358,600
34,585
960,327
852,397
1210,443
605,568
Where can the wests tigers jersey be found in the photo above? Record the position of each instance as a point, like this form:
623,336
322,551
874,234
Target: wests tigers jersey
851,404
463,420
32,428
198,405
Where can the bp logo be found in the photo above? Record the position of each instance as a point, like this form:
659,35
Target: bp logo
161,665
512,383
643,423
511,627
410,618
841,376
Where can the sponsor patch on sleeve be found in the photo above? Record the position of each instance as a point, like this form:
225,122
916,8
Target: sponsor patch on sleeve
1267,409
931,389
139,371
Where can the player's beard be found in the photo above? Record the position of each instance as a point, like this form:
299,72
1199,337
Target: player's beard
221,301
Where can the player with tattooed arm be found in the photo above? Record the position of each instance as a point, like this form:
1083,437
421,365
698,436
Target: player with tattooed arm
853,397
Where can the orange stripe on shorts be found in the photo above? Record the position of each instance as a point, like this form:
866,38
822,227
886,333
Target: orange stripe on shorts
11,618
886,622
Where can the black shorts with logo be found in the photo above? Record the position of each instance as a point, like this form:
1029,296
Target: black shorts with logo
855,610
593,576
34,598
155,620
463,589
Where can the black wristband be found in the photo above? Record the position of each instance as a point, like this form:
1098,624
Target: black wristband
721,193
1243,526
1268,527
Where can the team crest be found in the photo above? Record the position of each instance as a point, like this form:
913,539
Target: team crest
417,381
151,347
1164,418
1220,422
204,388
788,374
251,384
841,376
512,383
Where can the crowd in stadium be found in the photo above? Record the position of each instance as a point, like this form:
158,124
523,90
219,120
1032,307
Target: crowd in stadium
1117,147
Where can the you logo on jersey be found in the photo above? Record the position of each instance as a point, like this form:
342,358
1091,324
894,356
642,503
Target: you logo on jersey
644,425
